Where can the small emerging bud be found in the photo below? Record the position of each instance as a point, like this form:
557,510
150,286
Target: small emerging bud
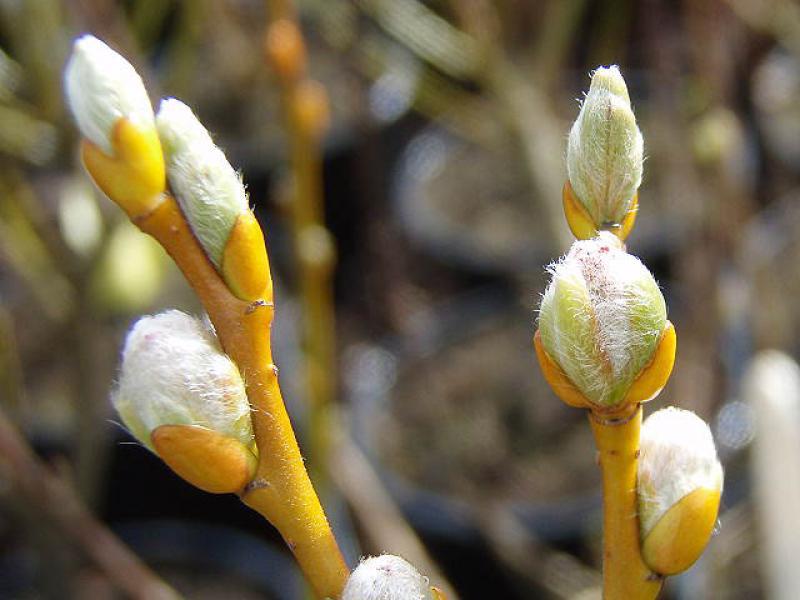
183,398
386,577
604,158
679,487
212,196
603,330
101,88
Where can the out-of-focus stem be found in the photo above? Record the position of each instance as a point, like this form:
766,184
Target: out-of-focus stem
281,491
625,576
10,367
304,105
772,386
314,252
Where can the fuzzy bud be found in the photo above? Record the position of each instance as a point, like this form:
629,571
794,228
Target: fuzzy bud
101,88
209,191
173,372
605,154
679,487
184,399
212,196
601,321
386,577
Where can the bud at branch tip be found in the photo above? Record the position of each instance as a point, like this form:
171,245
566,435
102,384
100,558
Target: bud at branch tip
605,154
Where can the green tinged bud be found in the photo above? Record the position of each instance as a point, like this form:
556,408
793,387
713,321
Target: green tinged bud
605,150
208,189
601,318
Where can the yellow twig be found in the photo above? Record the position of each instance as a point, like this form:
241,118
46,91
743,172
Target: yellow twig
281,491
625,576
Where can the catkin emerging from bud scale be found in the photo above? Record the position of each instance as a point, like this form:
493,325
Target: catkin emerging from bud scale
174,373
101,88
601,319
679,487
209,191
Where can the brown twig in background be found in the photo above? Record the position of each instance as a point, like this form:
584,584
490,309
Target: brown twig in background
516,546
58,503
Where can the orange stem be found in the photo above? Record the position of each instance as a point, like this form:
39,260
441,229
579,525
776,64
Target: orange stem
625,575
281,491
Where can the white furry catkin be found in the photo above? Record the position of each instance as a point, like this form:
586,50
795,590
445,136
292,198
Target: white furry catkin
605,150
386,577
101,87
677,456
601,318
173,372
209,191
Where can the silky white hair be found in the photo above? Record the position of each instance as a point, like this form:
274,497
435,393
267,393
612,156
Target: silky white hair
605,149
208,189
101,87
677,456
616,317
173,372
386,577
